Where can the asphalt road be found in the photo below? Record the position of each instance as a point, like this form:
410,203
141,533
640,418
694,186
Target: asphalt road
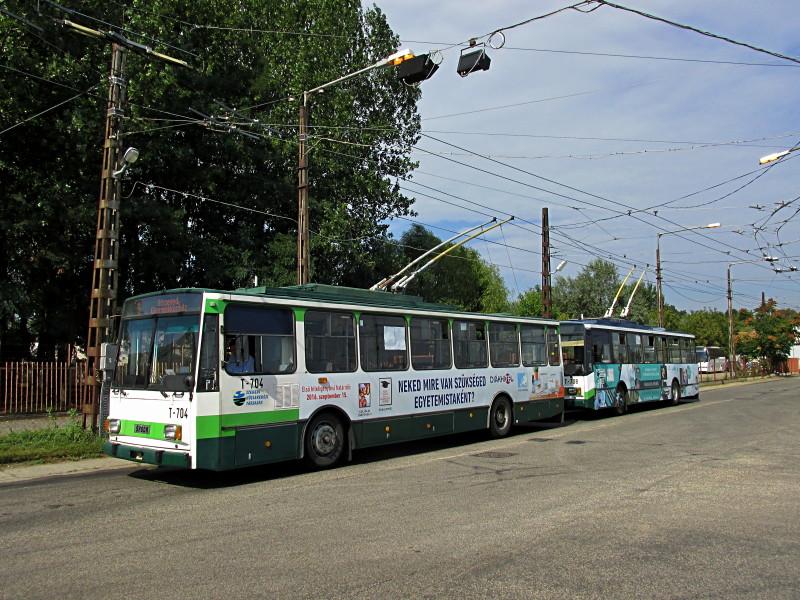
696,501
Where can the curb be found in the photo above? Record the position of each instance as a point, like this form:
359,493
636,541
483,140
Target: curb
737,383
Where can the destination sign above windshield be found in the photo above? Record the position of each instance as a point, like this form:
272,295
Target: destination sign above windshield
168,304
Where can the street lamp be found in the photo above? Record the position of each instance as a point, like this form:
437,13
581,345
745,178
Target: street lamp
131,156
776,155
659,290
731,353
303,241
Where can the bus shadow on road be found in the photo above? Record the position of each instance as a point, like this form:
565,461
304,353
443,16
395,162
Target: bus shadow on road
278,471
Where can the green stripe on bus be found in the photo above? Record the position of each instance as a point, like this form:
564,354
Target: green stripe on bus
146,429
211,426
590,394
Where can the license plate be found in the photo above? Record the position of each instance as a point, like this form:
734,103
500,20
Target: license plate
144,429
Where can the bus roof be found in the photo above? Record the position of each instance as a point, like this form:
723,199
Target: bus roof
606,323
317,292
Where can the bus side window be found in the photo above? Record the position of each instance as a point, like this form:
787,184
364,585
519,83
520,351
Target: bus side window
382,340
650,349
619,347
534,351
330,342
634,347
673,351
601,346
503,344
430,344
469,343
259,340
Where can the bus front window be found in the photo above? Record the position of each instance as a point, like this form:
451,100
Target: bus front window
157,353
573,354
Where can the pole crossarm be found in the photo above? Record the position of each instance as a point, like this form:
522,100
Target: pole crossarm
116,38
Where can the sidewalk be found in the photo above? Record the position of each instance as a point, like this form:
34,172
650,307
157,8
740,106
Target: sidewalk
16,473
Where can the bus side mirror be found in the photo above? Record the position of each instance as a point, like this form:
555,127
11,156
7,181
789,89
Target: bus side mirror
188,381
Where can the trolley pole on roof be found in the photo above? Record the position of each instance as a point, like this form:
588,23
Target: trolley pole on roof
547,299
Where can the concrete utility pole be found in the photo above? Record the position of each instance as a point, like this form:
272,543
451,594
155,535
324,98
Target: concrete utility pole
547,299
106,249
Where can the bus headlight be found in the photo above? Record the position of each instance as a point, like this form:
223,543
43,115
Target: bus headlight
111,426
173,432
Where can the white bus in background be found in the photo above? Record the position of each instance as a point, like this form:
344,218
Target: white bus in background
710,359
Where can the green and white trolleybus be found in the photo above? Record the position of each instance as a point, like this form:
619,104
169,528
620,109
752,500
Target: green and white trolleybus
613,363
217,380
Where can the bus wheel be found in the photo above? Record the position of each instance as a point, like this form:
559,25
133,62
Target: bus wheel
500,417
621,400
675,394
324,440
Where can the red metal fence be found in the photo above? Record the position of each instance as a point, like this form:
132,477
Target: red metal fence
39,387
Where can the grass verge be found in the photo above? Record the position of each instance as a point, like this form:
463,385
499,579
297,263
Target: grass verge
55,442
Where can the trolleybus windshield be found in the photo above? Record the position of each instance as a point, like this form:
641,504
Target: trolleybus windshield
157,353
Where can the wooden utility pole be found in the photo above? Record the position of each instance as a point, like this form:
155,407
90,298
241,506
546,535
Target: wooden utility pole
659,288
105,274
303,241
547,300
731,349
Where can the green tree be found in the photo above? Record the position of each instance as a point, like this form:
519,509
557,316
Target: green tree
49,165
769,334
589,293
529,303
710,327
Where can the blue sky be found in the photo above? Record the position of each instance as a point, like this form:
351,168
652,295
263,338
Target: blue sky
666,128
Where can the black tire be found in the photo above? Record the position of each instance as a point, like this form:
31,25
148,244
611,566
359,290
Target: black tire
620,400
501,417
675,393
324,440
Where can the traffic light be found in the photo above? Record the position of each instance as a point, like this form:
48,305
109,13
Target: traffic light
419,68
476,60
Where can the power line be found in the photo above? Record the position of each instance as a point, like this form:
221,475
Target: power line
569,187
696,30
650,57
49,109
